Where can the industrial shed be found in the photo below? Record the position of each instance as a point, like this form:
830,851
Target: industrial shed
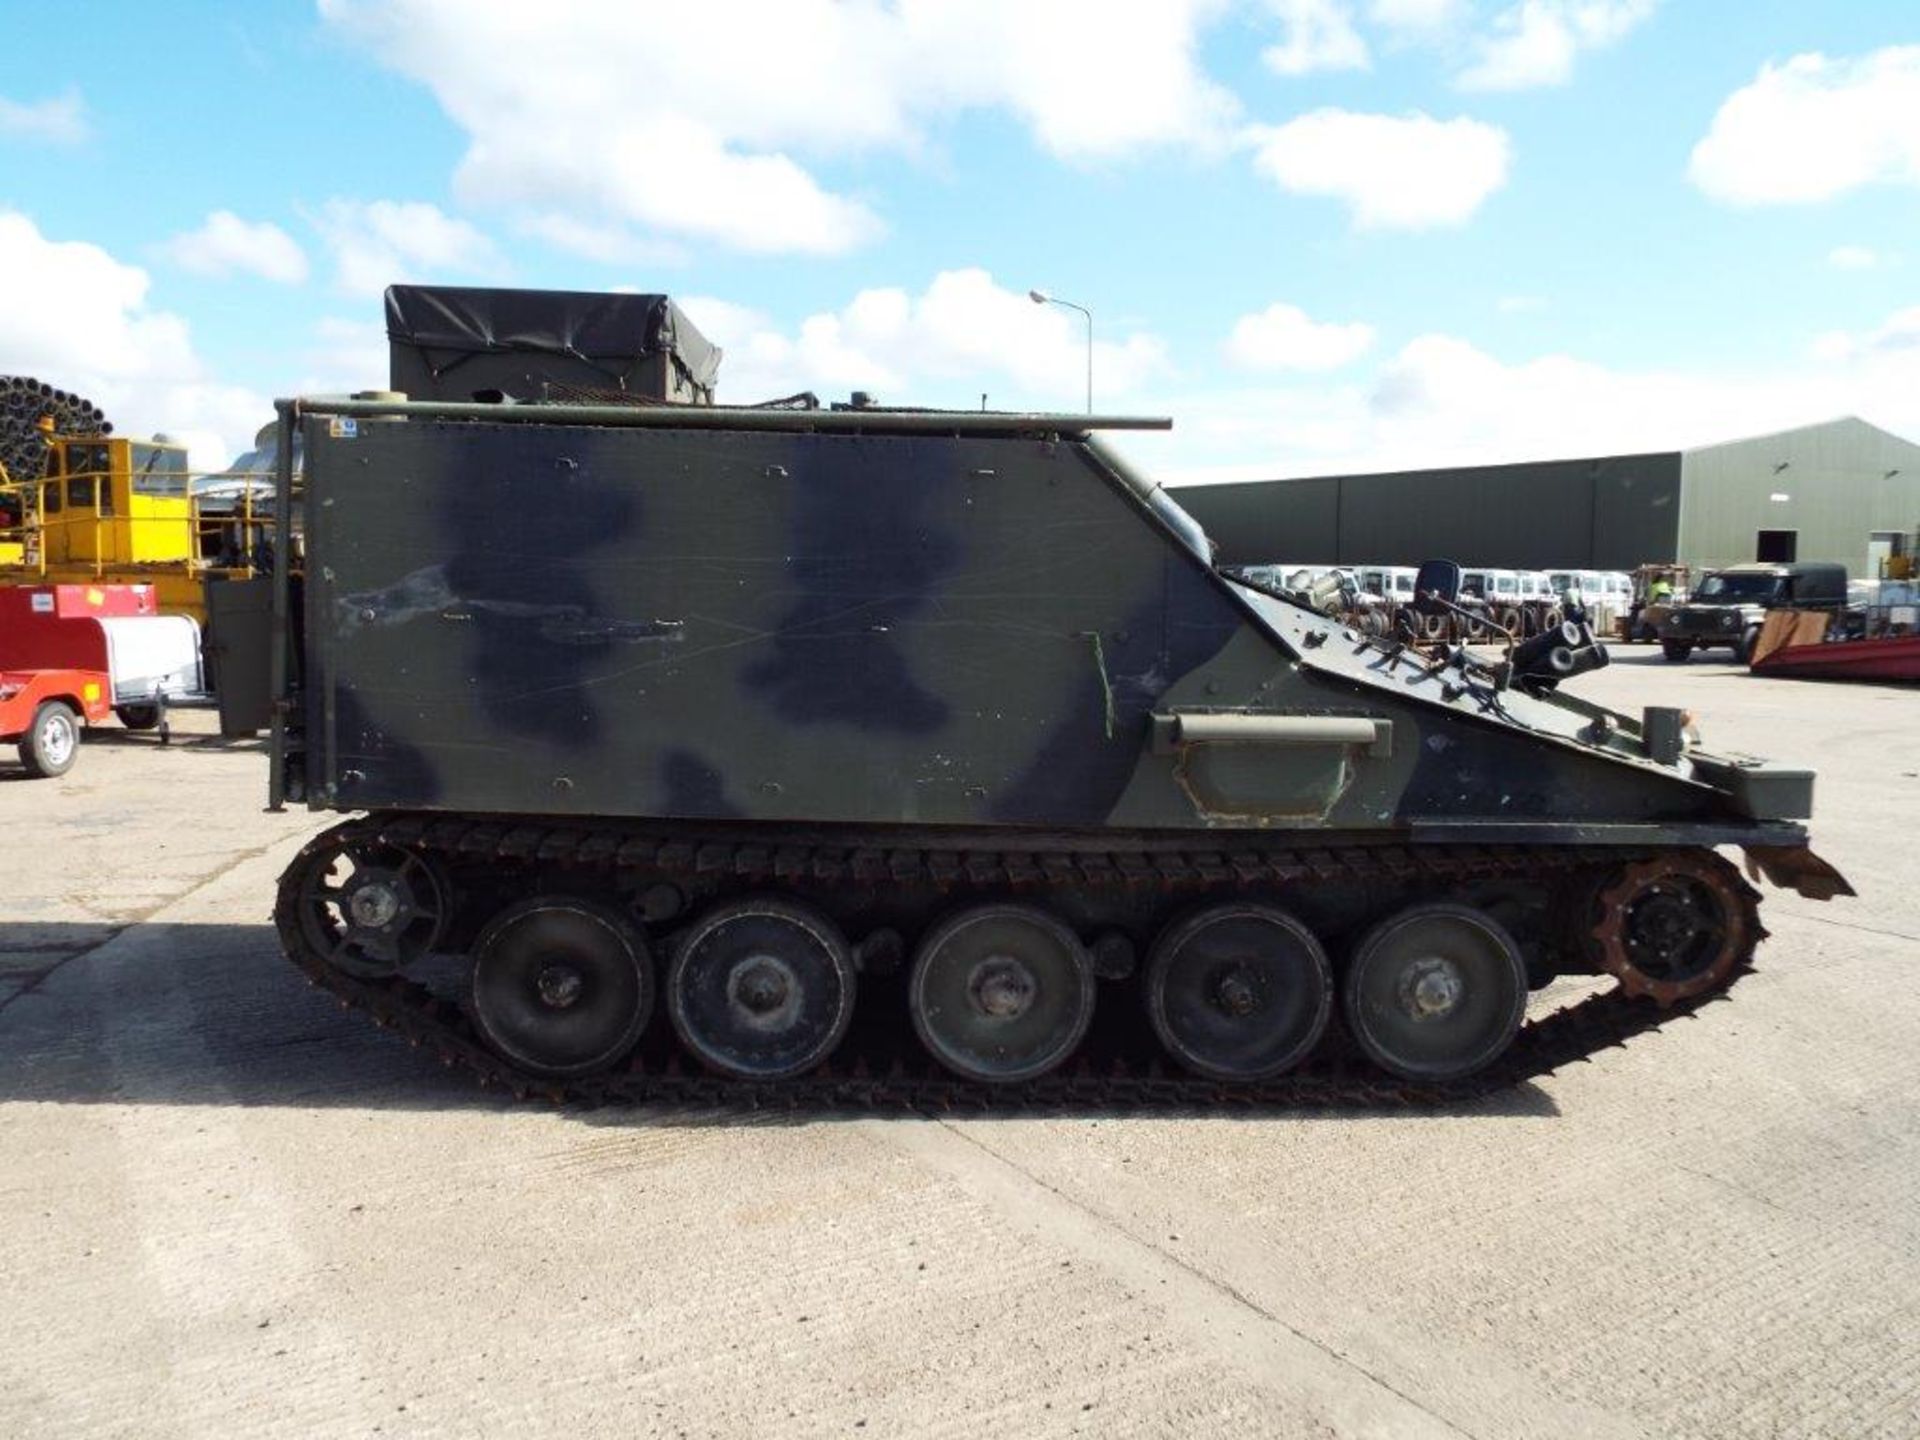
1843,490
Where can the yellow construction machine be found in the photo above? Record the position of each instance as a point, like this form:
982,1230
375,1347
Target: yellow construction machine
111,510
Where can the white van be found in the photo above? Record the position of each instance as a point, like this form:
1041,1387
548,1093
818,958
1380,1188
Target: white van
1496,587
1389,582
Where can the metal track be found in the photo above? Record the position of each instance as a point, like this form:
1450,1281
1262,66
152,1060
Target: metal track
904,1078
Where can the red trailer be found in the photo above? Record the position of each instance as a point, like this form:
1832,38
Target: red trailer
43,710
70,655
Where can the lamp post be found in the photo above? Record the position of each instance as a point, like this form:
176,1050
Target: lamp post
1041,297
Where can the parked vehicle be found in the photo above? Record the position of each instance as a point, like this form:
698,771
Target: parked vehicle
1730,605
598,766
1389,582
73,655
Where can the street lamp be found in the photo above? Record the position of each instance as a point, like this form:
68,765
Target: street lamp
1041,297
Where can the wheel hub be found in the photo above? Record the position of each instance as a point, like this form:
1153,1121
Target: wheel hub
1235,994
1431,988
374,904
761,985
57,739
1002,987
560,985
1663,923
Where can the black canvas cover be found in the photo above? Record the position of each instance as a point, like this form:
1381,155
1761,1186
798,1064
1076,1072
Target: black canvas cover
455,342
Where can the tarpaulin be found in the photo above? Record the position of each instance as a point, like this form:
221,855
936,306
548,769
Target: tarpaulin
457,342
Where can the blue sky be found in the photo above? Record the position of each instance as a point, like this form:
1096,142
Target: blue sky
1319,233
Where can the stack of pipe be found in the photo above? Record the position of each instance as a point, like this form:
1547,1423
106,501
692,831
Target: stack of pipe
24,401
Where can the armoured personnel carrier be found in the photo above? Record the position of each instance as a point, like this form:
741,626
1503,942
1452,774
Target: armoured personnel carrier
860,754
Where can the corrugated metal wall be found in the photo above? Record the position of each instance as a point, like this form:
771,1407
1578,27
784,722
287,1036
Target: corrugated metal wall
1610,513
1268,520
1839,481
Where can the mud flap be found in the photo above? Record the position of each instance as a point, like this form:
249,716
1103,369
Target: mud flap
1798,869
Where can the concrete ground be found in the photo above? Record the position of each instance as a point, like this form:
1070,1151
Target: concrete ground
232,1209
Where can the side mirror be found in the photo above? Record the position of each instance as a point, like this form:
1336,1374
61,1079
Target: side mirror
1439,578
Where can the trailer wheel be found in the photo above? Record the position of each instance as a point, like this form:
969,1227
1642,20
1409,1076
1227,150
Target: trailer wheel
138,717
52,741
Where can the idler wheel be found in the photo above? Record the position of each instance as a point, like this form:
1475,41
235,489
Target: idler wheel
1674,927
370,909
761,989
1001,993
1436,992
1239,992
561,987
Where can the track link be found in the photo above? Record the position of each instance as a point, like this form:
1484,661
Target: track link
906,1080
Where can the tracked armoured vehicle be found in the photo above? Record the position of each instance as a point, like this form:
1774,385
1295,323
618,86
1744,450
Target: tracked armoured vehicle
863,754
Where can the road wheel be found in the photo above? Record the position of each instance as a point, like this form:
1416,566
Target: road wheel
1749,642
52,741
1001,993
1677,650
138,717
561,987
761,989
1239,992
1436,992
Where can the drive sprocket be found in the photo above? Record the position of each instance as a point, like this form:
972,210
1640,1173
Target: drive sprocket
1675,926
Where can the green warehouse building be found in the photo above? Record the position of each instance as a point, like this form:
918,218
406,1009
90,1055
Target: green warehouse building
1843,490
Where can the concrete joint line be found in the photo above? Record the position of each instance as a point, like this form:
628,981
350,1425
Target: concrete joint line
121,927
1210,1314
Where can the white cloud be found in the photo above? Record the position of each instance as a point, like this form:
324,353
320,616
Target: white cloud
961,336
61,120
346,355
1319,36
1535,42
605,244
725,322
707,122
378,242
226,244
1815,128
1405,172
1900,334
1852,257
1282,337
74,316
1418,18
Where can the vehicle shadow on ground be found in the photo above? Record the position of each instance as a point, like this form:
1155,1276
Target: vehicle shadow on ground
1715,663
168,1014
113,737
100,737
